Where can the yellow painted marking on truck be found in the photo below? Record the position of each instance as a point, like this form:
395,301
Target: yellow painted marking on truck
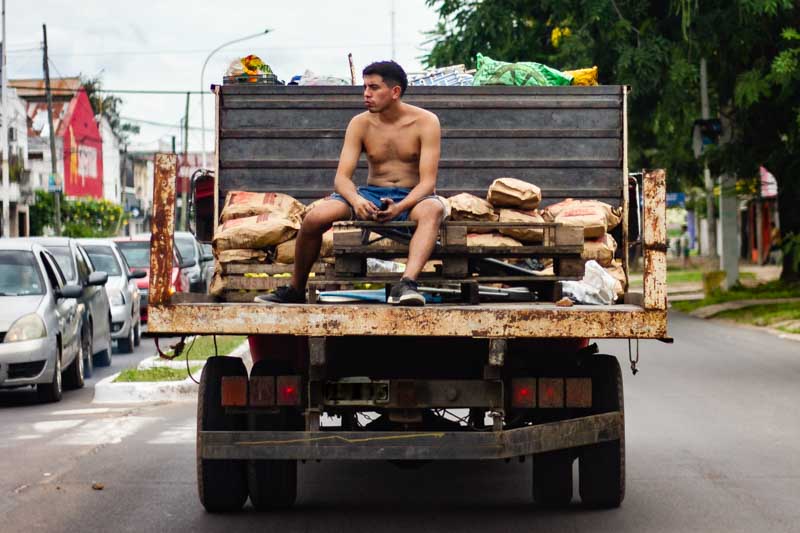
344,439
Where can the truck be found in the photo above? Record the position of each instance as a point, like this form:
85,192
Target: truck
451,381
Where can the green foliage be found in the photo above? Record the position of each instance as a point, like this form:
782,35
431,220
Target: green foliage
791,249
83,217
108,106
156,373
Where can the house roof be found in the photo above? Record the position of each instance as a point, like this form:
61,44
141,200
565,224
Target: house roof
33,92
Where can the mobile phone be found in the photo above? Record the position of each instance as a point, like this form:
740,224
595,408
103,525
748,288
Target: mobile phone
384,206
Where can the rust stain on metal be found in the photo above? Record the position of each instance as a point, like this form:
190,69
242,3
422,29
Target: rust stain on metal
654,234
498,320
162,227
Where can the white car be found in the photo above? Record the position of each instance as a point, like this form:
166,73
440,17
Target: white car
123,293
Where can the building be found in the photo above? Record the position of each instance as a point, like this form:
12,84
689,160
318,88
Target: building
112,171
20,191
79,144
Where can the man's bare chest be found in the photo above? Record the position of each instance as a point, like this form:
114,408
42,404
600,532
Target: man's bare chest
392,145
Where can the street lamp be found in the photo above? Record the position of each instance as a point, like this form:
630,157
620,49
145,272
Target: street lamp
203,88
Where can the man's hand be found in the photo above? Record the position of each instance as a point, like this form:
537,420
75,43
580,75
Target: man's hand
391,211
365,210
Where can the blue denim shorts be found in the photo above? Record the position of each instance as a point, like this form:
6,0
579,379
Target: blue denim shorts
374,195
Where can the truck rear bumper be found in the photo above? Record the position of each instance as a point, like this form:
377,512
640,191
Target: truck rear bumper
410,446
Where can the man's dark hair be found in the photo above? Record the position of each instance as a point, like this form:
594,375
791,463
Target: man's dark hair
392,74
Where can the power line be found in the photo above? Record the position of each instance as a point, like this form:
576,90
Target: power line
160,124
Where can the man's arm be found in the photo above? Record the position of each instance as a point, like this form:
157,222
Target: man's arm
348,160
430,150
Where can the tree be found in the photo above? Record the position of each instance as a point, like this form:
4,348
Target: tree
655,46
108,106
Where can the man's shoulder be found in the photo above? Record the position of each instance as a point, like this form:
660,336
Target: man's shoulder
423,114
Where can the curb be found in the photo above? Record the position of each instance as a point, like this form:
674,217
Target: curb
711,310
106,391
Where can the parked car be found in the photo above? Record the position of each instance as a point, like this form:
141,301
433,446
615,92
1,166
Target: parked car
40,322
136,250
78,270
190,248
122,290
208,251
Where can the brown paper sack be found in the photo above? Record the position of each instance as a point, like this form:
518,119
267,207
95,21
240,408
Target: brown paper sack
255,232
494,240
284,252
618,273
601,250
511,192
466,206
240,256
594,216
522,234
240,204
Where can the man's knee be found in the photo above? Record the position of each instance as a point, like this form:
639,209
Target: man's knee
429,210
320,219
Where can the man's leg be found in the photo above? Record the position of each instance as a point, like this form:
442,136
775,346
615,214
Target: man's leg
309,238
428,216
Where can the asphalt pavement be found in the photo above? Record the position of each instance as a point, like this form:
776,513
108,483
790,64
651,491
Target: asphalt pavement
713,439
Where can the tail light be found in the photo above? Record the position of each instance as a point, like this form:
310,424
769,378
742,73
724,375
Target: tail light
262,391
523,393
288,390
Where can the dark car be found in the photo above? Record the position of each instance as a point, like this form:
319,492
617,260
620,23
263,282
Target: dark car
78,270
190,248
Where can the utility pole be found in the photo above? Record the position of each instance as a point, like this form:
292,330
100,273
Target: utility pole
53,160
711,230
186,184
394,55
4,134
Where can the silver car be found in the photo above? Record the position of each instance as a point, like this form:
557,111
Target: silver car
123,293
40,322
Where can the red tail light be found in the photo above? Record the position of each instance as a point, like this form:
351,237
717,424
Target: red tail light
288,390
523,393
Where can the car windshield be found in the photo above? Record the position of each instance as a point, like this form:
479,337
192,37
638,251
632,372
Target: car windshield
137,253
19,274
185,247
64,258
103,259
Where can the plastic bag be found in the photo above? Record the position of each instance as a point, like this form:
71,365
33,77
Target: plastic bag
493,72
250,65
597,287
309,78
583,76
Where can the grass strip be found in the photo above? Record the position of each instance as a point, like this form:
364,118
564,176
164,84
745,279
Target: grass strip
765,315
158,373
772,289
687,276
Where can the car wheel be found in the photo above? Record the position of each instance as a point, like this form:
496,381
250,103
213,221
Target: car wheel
51,392
75,374
88,358
137,336
103,357
126,344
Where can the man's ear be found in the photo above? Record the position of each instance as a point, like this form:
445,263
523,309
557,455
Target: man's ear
396,92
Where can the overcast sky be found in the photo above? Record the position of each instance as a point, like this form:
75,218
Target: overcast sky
162,45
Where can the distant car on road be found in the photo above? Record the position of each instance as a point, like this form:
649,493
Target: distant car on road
136,250
78,270
191,248
40,322
122,290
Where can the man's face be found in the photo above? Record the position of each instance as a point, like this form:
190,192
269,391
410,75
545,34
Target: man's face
377,95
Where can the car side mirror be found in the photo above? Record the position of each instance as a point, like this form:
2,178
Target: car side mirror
137,274
188,263
69,291
97,278
208,257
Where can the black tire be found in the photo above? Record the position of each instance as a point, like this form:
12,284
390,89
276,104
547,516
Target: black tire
74,378
552,478
137,335
601,466
51,392
273,483
126,345
88,357
221,483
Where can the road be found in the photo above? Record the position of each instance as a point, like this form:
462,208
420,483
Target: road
713,437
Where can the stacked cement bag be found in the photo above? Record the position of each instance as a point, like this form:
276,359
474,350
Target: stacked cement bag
255,232
601,249
468,207
594,216
241,204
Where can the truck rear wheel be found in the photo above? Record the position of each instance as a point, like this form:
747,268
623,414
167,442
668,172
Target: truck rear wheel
601,466
273,483
221,483
552,478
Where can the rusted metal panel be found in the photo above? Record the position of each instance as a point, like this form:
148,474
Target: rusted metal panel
162,227
497,351
654,239
486,320
408,445
579,392
217,104
625,186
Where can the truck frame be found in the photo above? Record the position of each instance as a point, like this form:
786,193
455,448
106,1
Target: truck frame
372,381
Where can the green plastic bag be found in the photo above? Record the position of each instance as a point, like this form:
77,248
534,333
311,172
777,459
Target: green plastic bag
493,72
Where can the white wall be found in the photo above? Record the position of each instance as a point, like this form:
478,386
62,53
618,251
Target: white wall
111,162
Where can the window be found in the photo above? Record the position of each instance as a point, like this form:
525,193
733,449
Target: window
83,267
103,259
19,274
137,253
51,269
65,261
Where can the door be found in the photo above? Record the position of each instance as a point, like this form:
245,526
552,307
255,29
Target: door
67,311
97,301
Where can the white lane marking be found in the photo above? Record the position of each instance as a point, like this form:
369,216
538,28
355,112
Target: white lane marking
89,411
106,431
56,425
183,433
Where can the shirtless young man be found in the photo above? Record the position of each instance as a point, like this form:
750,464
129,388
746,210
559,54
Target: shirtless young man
402,143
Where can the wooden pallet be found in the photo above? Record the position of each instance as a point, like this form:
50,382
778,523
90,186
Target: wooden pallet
243,281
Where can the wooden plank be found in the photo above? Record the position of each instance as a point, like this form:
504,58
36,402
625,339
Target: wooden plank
654,239
447,133
433,278
569,235
444,163
398,249
266,268
162,227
